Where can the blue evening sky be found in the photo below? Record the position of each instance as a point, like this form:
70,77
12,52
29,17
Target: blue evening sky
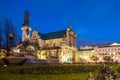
94,21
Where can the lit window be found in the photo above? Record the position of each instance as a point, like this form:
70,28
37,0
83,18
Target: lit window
111,49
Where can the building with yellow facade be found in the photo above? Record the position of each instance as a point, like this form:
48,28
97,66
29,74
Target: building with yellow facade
59,45
85,55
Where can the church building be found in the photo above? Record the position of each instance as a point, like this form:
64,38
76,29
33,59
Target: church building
58,46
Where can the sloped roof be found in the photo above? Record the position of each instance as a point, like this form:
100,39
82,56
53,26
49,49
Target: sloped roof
53,35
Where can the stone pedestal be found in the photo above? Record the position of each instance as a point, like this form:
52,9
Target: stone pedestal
25,32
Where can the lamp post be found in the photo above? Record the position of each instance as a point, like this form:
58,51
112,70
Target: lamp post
11,38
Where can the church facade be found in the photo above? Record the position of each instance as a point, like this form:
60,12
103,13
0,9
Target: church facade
58,46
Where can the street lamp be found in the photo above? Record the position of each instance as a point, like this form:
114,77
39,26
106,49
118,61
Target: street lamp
11,38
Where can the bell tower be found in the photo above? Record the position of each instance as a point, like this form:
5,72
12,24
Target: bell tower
25,27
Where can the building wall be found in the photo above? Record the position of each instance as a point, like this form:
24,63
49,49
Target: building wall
108,50
85,55
86,47
69,39
64,55
111,50
67,44
48,54
35,37
53,42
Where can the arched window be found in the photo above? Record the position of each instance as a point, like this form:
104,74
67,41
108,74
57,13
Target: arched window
54,44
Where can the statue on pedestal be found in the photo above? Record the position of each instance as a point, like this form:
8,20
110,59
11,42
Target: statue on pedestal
26,18
25,27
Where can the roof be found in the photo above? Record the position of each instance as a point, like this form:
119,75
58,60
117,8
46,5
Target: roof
85,49
102,45
52,35
108,46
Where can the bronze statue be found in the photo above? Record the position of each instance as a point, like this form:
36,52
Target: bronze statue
26,18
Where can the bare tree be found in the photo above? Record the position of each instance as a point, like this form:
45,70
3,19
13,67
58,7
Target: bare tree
9,33
9,37
1,31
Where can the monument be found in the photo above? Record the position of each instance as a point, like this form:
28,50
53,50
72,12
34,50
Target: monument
25,27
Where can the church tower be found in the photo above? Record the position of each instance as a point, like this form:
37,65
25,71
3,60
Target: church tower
25,27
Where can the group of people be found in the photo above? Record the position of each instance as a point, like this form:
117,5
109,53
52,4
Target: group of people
105,73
